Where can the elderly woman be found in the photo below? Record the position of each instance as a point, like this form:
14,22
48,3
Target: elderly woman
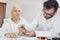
10,25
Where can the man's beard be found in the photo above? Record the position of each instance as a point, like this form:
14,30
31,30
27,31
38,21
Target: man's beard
49,17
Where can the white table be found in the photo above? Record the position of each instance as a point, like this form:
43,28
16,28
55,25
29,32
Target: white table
39,33
21,38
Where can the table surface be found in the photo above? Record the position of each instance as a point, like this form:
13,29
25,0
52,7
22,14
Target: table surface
41,33
20,38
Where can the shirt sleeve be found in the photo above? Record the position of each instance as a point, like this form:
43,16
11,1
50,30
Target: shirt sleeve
30,26
43,34
56,29
4,28
34,25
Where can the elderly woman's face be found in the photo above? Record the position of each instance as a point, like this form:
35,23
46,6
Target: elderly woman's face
16,12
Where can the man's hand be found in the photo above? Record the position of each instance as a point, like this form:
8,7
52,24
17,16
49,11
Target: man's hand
10,35
24,31
30,33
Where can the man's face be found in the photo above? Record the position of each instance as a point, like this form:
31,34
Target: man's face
48,13
16,12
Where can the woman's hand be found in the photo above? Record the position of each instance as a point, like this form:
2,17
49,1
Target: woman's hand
21,29
10,35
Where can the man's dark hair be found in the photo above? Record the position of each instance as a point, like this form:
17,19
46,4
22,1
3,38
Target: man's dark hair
51,0
51,4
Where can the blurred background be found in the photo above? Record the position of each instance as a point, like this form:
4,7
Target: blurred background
30,8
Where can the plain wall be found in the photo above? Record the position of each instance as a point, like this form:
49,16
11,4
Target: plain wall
30,8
